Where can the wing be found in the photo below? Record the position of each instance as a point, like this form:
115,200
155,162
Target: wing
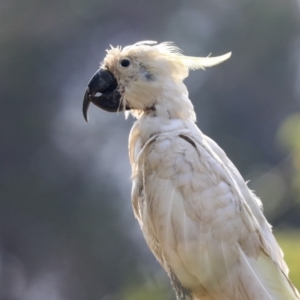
202,222
253,201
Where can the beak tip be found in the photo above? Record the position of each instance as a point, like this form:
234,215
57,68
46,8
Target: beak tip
85,106
86,118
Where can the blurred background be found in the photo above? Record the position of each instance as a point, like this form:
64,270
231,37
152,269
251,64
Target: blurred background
67,229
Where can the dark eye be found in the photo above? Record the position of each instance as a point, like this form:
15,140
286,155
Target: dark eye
125,63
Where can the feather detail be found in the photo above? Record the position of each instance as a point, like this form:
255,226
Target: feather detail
194,63
141,43
268,282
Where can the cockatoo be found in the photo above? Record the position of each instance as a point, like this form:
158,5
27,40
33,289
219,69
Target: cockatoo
198,217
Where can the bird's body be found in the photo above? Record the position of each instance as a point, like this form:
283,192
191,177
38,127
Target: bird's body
198,217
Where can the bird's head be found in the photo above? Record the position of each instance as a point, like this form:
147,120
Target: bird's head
142,76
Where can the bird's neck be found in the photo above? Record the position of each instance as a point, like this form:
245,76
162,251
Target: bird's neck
171,103
152,124
171,111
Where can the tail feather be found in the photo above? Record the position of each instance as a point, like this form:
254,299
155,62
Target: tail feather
264,280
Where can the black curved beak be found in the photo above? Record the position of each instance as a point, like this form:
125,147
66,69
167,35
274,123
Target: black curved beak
103,82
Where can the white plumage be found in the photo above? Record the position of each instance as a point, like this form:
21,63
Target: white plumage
198,217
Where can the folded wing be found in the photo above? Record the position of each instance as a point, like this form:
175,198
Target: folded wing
203,224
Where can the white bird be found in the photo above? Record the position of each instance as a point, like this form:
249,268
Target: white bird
198,217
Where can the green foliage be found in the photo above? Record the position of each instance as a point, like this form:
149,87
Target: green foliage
289,240
148,292
157,286
289,139
289,132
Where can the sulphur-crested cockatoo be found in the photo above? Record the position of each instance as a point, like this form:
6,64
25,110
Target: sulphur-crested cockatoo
198,217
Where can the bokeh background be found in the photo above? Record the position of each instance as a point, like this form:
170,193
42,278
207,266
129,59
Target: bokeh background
67,230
